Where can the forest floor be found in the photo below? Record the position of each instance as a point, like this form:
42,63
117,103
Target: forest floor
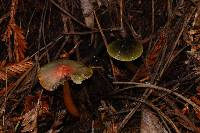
100,66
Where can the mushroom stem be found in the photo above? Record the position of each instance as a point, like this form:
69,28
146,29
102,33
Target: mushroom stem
68,100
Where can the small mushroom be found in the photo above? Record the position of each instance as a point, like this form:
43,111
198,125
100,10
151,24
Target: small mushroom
125,50
58,72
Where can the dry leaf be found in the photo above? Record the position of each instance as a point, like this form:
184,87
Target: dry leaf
154,53
150,123
111,128
57,122
29,122
31,101
87,9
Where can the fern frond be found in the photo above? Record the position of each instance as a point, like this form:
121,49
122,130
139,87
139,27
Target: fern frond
20,43
14,69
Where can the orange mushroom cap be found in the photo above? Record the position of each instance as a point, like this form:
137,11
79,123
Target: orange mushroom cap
55,73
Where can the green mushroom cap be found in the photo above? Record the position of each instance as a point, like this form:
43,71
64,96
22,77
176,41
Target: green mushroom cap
125,50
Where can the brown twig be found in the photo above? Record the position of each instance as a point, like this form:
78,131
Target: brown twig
90,32
154,108
143,85
101,31
67,13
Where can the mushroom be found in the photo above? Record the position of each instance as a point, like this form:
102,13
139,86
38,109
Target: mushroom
125,50
58,72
